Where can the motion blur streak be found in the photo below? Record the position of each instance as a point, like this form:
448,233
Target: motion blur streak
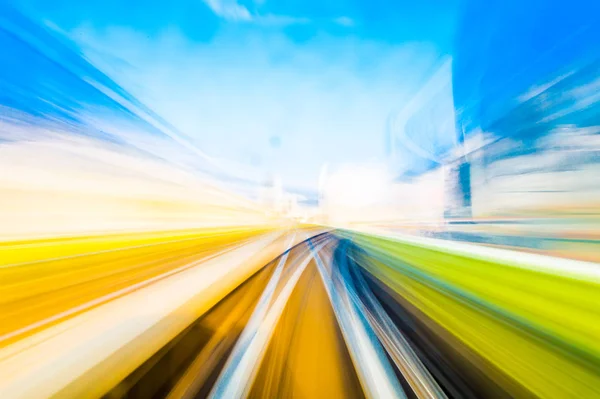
247,354
285,199
513,307
369,359
391,338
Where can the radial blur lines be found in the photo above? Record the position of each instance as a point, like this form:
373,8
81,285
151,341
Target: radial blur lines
300,313
307,356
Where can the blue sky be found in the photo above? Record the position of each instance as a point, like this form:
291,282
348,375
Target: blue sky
278,86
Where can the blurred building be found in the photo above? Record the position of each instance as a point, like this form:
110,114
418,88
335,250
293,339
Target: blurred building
271,193
423,130
431,180
524,111
280,202
528,96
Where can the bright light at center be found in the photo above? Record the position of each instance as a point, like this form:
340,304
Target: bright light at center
357,187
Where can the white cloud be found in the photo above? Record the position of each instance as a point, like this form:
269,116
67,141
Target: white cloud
231,10
327,99
279,20
344,21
